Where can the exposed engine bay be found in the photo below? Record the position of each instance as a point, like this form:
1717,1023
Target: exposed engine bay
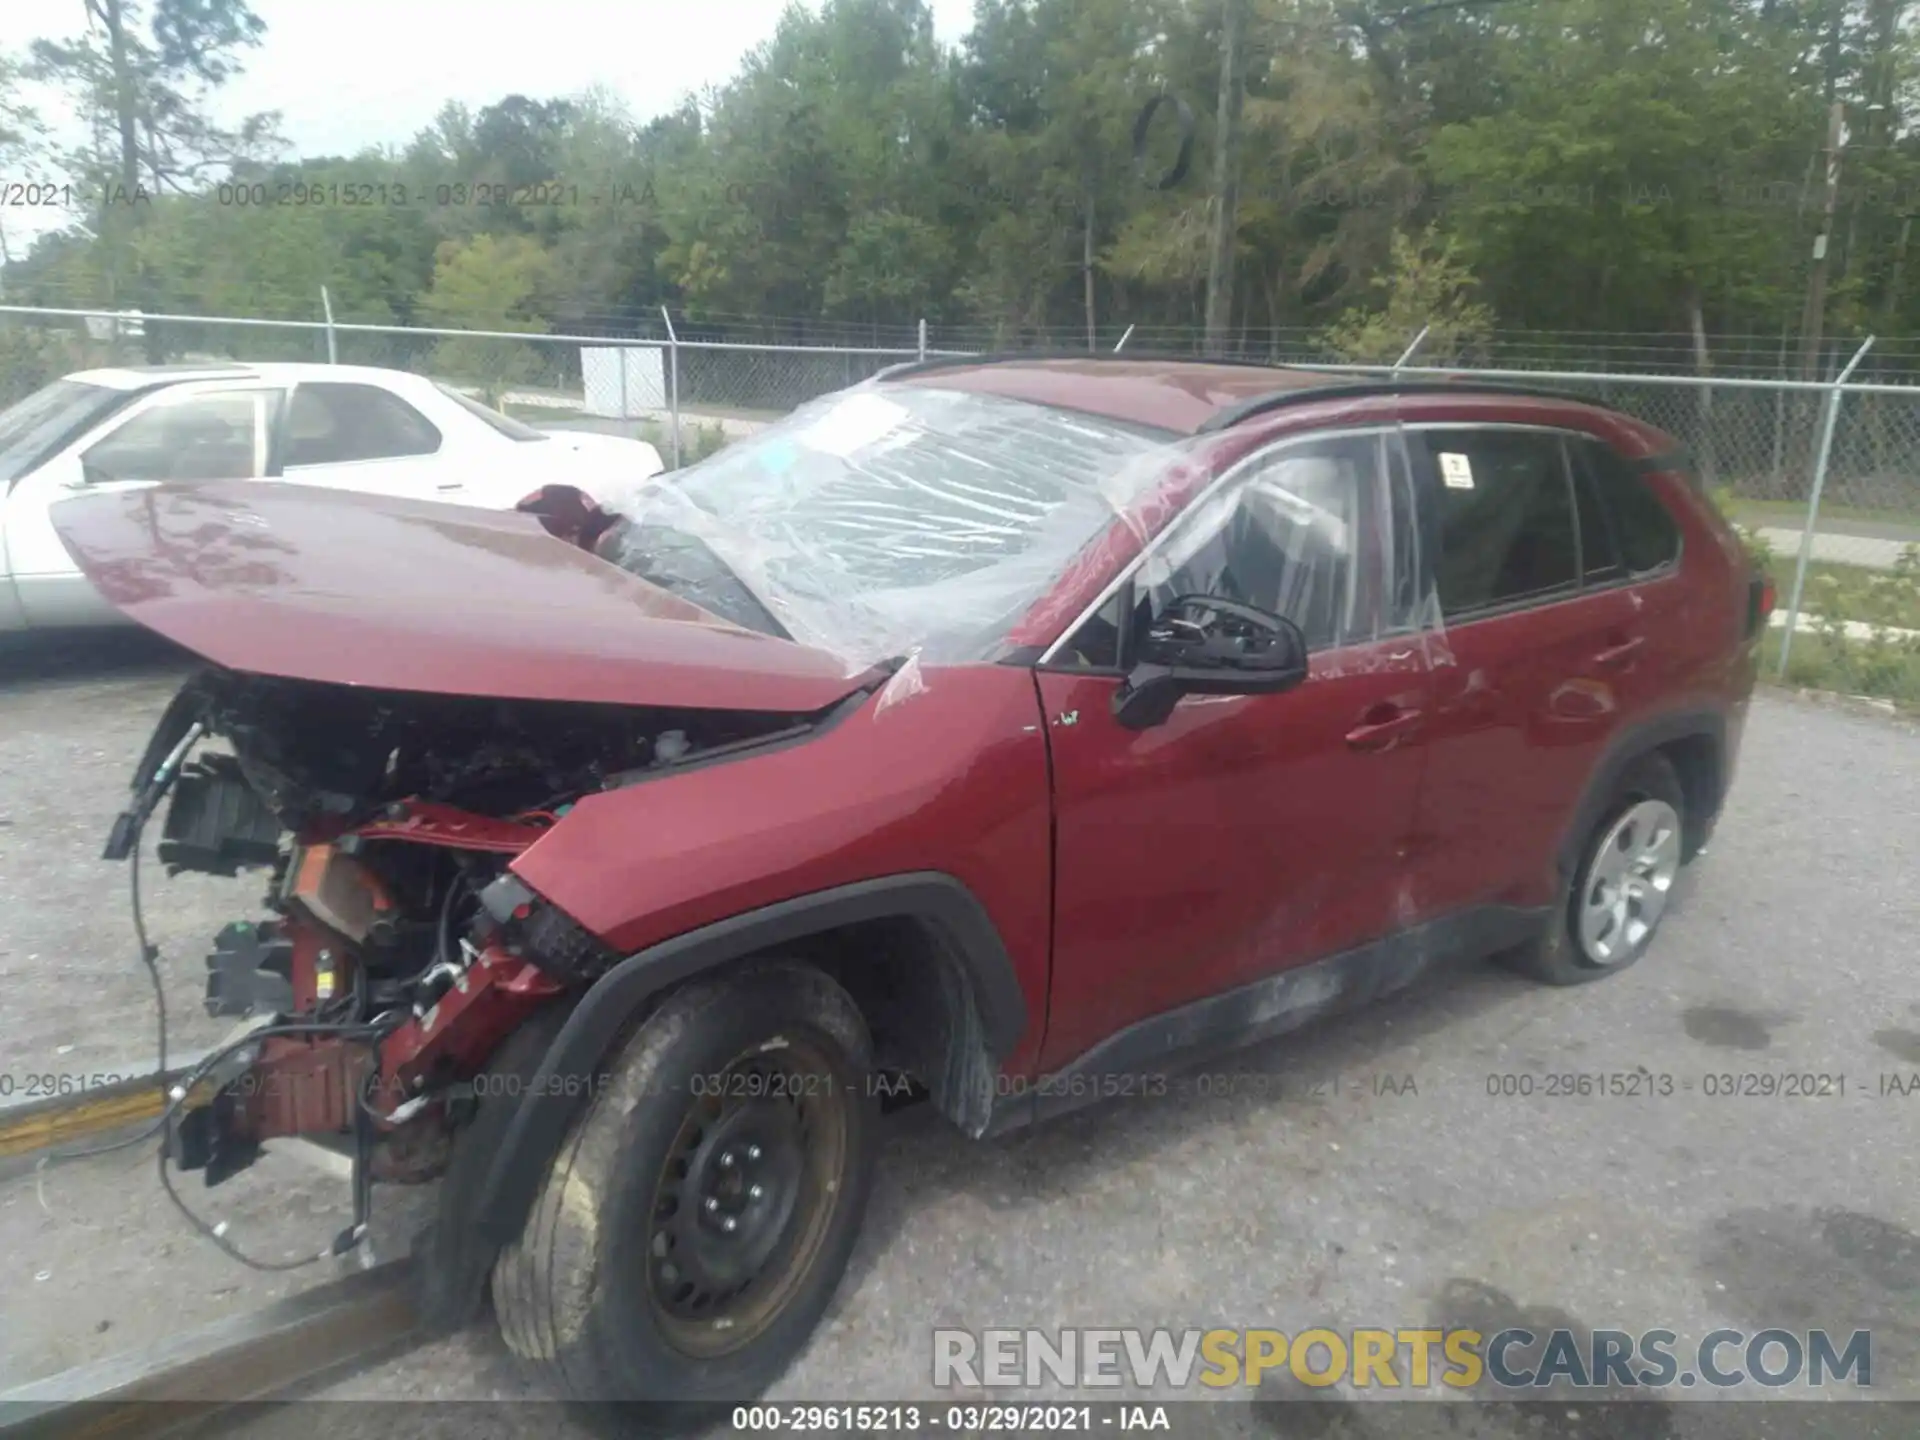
398,949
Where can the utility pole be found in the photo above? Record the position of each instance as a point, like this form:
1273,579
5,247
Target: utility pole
1890,303
1814,316
1226,176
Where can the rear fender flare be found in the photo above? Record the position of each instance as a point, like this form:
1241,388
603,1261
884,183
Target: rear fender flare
1628,746
559,1090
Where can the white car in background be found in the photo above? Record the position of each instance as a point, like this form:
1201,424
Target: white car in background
346,427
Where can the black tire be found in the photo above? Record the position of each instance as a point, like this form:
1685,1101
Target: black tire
1558,957
594,1293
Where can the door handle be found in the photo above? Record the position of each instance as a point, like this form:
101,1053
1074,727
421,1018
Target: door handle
1617,655
1381,725
451,485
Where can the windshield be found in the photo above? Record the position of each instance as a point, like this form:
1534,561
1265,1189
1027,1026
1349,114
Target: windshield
505,424
885,519
35,428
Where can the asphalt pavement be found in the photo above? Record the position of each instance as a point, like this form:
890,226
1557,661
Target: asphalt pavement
1410,1165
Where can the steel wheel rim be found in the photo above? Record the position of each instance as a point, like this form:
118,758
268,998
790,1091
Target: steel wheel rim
1628,882
780,1101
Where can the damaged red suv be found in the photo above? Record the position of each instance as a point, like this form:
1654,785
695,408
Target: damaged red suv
1011,730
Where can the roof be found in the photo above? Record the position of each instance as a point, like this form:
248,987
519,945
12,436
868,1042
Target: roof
1178,394
141,377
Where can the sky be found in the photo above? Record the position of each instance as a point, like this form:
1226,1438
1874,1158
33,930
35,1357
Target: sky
346,74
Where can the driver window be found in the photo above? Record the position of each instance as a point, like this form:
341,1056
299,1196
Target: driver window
205,437
1284,537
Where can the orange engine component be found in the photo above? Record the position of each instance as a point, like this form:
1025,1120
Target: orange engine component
342,894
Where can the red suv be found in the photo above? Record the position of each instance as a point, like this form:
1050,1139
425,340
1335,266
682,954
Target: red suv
1000,732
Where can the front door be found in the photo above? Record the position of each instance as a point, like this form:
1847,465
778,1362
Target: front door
1248,834
181,433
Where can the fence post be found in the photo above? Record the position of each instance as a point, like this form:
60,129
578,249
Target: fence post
673,384
923,337
621,351
1407,354
1829,421
326,306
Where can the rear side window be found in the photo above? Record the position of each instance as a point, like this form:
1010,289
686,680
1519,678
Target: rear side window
336,424
1505,512
1647,534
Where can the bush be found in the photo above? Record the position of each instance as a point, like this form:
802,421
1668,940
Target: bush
697,442
1884,667
31,358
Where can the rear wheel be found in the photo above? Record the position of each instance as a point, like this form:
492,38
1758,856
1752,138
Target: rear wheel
696,1223
1622,883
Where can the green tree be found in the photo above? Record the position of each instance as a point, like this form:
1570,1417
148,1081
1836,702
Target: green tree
22,144
490,283
1427,288
1611,178
141,74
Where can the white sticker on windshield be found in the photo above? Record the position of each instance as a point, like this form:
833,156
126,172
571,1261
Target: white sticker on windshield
1456,470
853,424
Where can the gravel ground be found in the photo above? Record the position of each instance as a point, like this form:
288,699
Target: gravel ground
1399,1194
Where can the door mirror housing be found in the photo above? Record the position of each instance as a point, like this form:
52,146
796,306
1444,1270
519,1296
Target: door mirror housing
1209,645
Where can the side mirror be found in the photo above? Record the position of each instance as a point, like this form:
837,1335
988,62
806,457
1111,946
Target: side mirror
1205,645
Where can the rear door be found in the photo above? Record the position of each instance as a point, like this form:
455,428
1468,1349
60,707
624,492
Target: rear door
1538,660
1248,834
347,435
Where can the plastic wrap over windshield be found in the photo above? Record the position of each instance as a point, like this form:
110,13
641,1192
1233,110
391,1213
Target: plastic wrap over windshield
888,519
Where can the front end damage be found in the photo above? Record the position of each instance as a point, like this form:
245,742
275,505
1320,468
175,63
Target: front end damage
397,950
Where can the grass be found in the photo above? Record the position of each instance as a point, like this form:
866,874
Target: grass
1884,665
1792,514
1852,592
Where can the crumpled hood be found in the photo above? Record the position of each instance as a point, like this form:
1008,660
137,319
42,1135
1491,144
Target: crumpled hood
290,580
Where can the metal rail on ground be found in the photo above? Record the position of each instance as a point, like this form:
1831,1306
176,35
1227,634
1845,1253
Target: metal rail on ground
34,1124
189,1379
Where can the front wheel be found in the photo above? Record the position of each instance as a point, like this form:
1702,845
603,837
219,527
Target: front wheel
699,1217
1622,883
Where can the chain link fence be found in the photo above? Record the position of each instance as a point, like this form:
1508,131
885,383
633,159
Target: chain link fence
1758,441
1752,437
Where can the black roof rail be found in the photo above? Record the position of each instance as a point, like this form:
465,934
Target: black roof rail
1310,394
1015,357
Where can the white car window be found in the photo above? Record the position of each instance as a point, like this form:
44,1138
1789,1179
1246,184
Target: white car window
334,424
202,437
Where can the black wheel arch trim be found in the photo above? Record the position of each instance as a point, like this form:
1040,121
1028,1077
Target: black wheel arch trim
1637,740
558,1090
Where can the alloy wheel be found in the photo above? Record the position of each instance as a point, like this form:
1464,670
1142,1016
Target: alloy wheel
1628,882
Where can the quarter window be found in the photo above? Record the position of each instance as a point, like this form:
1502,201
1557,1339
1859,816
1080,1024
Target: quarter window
1505,518
1648,536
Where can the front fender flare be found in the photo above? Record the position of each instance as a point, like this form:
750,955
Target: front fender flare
557,1092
